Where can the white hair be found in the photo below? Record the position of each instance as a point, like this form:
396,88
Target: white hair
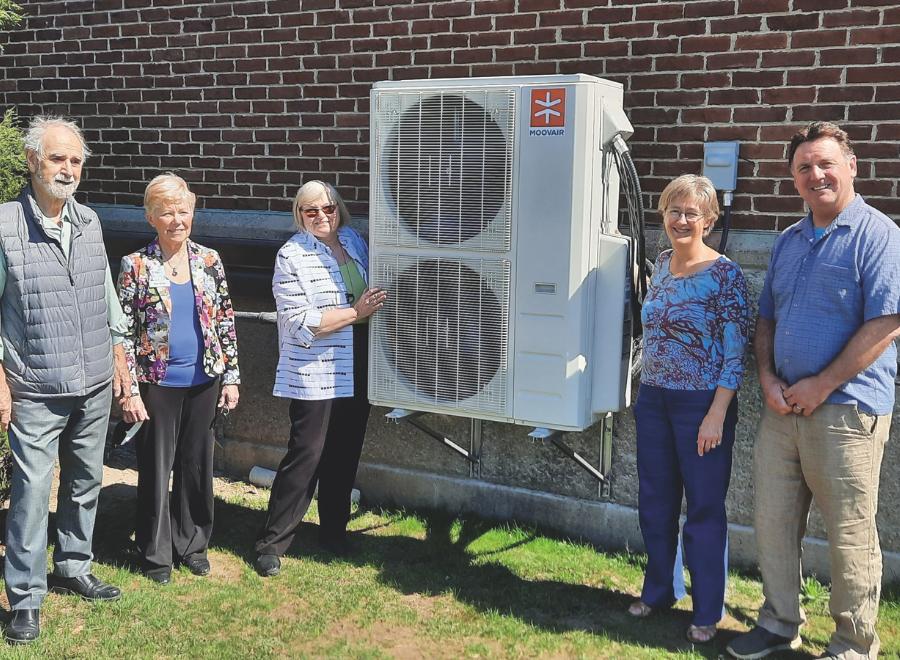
37,128
311,190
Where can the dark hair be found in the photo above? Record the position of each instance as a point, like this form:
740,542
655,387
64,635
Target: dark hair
817,131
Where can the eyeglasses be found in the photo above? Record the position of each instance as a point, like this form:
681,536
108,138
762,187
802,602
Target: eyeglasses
312,212
691,216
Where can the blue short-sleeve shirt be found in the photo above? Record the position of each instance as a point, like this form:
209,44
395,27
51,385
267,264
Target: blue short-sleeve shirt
820,291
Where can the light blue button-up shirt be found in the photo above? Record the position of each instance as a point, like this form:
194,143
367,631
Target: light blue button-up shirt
819,291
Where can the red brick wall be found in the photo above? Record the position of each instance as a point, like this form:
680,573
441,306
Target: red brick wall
248,98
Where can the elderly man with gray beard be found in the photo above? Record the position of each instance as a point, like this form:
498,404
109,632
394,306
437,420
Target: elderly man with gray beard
61,366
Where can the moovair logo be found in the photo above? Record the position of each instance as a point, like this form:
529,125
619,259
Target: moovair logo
548,112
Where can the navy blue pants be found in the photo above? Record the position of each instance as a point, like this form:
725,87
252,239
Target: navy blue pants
668,466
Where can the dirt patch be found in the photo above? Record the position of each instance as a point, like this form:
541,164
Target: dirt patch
422,605
403,642
393,640
225,567
289,609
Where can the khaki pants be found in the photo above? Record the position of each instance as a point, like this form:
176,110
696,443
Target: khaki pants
835,456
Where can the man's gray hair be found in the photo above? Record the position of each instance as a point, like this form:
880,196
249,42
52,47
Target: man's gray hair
37,128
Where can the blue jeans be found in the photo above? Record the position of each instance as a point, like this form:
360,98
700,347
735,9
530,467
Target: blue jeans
74,428
668,466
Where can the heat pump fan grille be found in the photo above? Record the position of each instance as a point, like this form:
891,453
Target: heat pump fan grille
442,336
444,166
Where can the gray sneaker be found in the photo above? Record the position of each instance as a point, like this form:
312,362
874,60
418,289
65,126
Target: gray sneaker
759,642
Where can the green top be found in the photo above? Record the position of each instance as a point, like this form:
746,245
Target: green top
356,283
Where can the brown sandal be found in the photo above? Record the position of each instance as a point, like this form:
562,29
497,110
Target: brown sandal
701,634
640,610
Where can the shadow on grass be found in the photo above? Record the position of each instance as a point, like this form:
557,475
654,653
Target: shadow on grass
442,563
439,564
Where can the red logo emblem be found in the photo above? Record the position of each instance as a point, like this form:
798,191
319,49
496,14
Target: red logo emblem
548,107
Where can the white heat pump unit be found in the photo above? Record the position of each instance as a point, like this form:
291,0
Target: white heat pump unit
493,227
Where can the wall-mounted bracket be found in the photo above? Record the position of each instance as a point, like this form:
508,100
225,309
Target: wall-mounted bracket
472,455
602,474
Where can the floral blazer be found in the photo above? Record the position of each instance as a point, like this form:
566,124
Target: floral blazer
146,301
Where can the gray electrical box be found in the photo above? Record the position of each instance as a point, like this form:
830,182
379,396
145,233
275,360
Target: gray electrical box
720,161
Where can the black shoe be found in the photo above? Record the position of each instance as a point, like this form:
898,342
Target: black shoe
86,586
197,565
267,565
160,575
24,626
337,544
759,642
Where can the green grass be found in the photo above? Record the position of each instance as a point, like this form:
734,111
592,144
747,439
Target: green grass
423,585
814,595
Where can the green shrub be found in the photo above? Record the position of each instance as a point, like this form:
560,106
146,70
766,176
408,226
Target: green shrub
10,14
12,179
12,158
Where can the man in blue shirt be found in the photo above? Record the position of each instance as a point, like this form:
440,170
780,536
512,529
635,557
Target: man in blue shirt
828,316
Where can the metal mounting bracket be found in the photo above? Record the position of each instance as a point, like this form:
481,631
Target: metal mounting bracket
602,474
472,455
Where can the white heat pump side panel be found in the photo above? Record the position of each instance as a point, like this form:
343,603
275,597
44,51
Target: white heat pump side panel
442,340
442,162
611,366
553,301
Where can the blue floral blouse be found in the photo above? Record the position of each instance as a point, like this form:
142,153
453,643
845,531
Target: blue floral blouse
695,327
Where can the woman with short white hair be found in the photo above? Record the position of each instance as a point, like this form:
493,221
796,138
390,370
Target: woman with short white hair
324,304
181,347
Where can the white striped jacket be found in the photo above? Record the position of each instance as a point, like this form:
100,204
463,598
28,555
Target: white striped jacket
307,282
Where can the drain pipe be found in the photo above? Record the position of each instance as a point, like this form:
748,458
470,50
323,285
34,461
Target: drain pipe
260,476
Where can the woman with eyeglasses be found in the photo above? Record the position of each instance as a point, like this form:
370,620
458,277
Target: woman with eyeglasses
696,325
324,304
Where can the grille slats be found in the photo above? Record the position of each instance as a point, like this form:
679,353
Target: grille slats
444,169
442,180
442,336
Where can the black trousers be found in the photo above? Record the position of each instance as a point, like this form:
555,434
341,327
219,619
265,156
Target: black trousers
178,440
324,447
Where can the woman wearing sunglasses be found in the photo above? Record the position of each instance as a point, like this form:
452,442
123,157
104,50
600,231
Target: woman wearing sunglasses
696,323
323,303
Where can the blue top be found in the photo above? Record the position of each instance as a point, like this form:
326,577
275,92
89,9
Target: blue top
184,367
695,327
820,291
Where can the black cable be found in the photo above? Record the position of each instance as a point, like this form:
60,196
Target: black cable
637,248
638,224
726,222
